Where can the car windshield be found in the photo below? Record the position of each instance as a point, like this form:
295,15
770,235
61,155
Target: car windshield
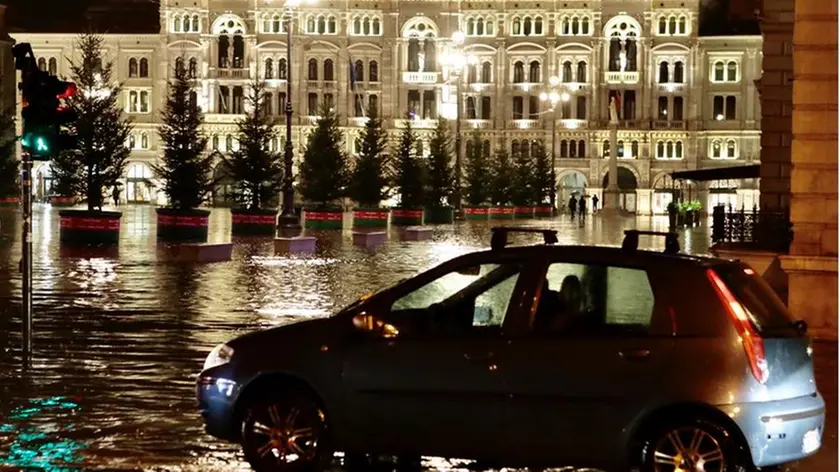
368,295
766,310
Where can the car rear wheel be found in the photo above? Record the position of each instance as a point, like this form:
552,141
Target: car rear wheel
286,433
692,446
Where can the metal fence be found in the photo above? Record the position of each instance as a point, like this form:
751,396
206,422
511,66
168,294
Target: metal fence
768,230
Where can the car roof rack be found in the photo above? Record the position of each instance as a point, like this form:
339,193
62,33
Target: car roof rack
499,238
631,240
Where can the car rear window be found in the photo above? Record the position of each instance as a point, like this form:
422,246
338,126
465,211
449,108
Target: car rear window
767,312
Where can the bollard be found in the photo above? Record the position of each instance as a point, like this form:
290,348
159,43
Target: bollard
295,244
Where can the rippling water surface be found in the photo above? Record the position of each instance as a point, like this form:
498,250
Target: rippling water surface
121,333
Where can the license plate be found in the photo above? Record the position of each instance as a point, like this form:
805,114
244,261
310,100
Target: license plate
811,441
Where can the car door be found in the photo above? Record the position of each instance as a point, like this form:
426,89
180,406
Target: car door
592,361
437,385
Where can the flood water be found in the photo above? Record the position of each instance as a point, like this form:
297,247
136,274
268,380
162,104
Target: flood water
121,333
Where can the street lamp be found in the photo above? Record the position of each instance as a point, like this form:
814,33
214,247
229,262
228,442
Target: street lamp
456,59
554,96
288,220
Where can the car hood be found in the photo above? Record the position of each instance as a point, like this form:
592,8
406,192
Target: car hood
289,336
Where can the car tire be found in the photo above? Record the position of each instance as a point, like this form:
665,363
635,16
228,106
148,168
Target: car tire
287,432
692,444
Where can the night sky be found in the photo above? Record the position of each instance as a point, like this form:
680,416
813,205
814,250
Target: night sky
141,16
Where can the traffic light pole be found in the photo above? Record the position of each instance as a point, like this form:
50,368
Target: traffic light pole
26,259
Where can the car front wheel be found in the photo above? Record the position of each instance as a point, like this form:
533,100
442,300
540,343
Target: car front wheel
286,433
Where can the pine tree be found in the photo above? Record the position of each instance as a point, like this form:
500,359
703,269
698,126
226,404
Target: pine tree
369,183
186,170
543,176
9,185
521,192
501,171
324,172
99,156
256,170
479,177
409,171
441,176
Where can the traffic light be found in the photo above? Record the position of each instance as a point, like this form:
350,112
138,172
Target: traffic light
44,109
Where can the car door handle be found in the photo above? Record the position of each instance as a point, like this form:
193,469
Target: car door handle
634,354
479,356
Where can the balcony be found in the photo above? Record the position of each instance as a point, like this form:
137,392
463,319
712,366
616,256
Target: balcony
222,118
358,121
626,77
480,124
229,73
665,124
671,88
420,77
429,123
524,124
571,124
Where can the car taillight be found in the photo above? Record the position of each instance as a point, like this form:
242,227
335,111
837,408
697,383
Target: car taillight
750,338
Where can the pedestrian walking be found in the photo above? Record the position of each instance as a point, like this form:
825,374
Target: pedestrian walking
594,203
582,206
115,194
572,205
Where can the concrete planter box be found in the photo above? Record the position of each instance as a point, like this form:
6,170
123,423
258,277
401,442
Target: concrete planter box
253,222
523,213
439,215
9,201
407,216
305,244
543,212
62,201
182,225
417,233
369,239
323,219
501,213
476,213
89,227
370,217
204,252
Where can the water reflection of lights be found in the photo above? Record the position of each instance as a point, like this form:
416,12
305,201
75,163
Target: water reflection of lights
93,273
35,446
302,313
293,261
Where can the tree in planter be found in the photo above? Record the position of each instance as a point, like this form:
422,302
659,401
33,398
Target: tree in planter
99,156
185,170
543,178
369,182
9,185
324,172
256,170
409,171
501,170
521,193
479,177
441,178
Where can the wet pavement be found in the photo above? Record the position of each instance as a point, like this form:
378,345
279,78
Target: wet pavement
121,333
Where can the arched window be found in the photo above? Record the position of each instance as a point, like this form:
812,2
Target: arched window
373,105
176,24
132,67
716,150
525,148
144,67
719,77
228,143
310,25
679,150
518,72
215,142
144,140
471,112
268,103
573,148
581,107
663,72
730,149
534,72
479,27
516,28
281,69
538,26
663,26
179,64
575,26
660,149
485,148
732,71
634,149
373,71
366,27
322,25
42,64
187,24
526,26
682,29
377,27
581,148
486,73
514,148
357,26
672,25
491,28
359,71
669,149
565,25
328,70
566,76
472,73
196,25
193,68
564,149
581,72
132,141
584,25
679,72
606,148
269,68
53,66
313,69
619,148
332,26
276,25
470,27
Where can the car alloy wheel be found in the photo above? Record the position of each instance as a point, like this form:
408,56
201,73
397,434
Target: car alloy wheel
286,434
689,449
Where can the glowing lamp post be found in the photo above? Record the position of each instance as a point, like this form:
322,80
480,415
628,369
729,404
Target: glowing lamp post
553,96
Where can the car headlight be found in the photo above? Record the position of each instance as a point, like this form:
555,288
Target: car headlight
220,355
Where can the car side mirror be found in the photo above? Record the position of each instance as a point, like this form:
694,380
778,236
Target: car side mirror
368,323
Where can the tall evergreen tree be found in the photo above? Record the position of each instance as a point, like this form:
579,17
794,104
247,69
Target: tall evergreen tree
479,177
324,171
99,157
409,171
521,192
9,185
441,176
543,176
369,183
501,171
186,169
256,170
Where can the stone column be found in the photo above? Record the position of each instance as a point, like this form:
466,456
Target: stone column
812,263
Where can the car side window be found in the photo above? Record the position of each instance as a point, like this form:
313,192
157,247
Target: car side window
594,299
474,296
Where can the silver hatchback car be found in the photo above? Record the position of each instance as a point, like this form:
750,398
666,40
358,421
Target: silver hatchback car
534,356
